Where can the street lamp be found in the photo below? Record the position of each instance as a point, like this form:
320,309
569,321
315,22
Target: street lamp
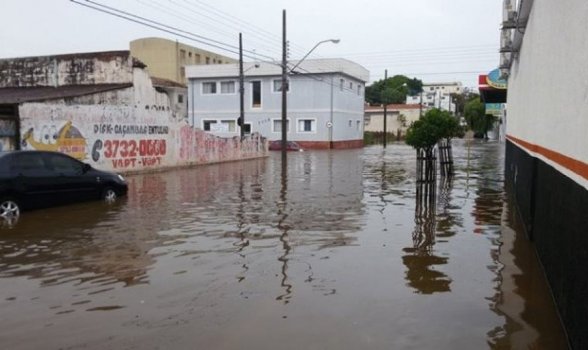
285,80
334,41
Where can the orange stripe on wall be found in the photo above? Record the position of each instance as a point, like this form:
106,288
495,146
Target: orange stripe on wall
572,164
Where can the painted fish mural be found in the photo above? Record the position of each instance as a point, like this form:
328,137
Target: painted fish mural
68,140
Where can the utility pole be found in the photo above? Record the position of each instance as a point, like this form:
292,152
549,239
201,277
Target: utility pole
385,100
421,105
241,90
284,87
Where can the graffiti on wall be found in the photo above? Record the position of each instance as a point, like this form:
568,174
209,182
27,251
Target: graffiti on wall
130,146
127,139
68,139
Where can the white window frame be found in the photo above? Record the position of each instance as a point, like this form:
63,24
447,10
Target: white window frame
221,121
220,91
288,125
209,93
274,91
314,124
207,120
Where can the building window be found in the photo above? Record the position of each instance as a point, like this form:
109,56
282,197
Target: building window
214,60
180,98
278,85
206,124
358,125
306,125
367,119
431,88
207,60
227,87
190,54
183,54
358,90
350,123
209,87
229,125
277,125
341,84
256,94
351,85
247,128
183,72
197,57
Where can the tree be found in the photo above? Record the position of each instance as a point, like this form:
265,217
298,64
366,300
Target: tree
392,90
477,119
424,134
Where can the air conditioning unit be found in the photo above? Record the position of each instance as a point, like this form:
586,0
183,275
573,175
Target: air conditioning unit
506,41
510,20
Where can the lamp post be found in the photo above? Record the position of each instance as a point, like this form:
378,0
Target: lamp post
241,120
334,41
285,81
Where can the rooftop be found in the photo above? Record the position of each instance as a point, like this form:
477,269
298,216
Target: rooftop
391,107
311,66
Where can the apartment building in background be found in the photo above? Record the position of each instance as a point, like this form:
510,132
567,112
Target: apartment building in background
167,59
437,95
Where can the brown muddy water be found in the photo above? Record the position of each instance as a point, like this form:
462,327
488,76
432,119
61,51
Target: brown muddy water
328,254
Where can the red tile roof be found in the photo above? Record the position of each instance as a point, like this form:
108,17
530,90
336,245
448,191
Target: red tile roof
391,107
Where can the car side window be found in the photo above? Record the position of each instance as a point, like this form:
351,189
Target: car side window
64,165
28,164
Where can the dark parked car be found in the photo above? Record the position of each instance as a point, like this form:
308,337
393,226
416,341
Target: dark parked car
290,146
36,179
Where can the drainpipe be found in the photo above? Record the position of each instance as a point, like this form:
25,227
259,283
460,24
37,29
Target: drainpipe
331,116
193,102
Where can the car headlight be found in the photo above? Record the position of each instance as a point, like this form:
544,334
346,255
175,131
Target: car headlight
121,178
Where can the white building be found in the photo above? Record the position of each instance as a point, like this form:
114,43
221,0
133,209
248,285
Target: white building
544,50
437,95
325,101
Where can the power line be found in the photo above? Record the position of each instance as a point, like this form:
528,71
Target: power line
212,23
165,28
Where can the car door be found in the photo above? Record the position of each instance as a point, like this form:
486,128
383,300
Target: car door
33,180
72,181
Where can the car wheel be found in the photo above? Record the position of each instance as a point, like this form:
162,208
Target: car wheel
109,195
9,212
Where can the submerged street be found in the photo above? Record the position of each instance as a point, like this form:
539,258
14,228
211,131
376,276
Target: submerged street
328,253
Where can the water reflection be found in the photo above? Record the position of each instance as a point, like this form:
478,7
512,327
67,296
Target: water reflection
75,245
422,264
520,292
304,256
283,227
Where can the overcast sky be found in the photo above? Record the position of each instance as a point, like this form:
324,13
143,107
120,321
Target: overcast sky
434,40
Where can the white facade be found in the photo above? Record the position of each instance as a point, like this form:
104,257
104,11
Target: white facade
437,95
325,100
547,93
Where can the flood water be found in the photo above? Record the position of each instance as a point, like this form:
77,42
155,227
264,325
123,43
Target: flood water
330,252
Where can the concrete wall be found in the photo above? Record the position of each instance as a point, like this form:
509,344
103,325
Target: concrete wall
374,121
547,151
75,69
127,130
547,93
308,98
